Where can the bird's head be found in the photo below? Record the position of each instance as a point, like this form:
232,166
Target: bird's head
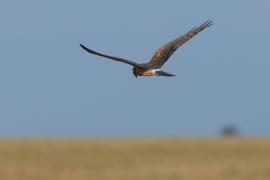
134,72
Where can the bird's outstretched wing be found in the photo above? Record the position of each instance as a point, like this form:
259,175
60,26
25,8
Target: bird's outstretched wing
164,53
112,57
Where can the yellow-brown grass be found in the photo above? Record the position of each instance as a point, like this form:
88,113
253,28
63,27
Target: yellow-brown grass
135,159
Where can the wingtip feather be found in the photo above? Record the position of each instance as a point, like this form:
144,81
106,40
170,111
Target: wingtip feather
207,24
82,46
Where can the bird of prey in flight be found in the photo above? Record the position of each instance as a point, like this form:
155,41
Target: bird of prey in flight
152,68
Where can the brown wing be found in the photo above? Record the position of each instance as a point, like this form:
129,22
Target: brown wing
112,57
164,53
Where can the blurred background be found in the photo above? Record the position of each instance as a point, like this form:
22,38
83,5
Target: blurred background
66,114
50,87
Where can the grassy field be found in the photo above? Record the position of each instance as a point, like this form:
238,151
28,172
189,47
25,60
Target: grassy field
135,159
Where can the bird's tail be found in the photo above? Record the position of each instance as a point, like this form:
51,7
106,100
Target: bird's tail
162,73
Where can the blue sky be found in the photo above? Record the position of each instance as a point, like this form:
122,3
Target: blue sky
50,87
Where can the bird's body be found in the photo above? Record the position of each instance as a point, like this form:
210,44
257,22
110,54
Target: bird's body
138,71
152,68
145,72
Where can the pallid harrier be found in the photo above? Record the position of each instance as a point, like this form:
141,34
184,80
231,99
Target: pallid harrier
152,68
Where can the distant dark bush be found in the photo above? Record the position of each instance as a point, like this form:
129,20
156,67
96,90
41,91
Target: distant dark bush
229,131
